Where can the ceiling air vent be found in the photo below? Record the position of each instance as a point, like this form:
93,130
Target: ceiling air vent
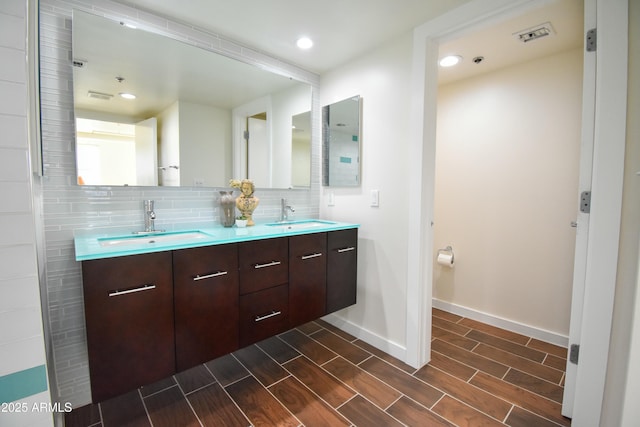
99,95
534,33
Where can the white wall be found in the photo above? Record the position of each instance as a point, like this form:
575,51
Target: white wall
508,145
21,335
382,78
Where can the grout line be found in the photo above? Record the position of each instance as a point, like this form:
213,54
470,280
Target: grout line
100,412
506,417
144,405
184,396
364,360
394,402
161,390
505,374
231,399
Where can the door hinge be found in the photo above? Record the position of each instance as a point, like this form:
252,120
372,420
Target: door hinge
246,135
591,41
574,351
585,202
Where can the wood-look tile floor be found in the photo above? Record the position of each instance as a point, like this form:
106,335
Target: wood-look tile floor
317,375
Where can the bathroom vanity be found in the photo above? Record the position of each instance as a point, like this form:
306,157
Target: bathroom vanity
159,304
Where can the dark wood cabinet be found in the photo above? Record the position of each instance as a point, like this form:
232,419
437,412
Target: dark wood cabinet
129,320
205,284
307,277
149,316
342,270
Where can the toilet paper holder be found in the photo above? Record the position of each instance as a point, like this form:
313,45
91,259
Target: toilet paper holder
447,250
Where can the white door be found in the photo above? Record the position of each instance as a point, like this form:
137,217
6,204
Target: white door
258,157
592,317
582,216
594,288
147,152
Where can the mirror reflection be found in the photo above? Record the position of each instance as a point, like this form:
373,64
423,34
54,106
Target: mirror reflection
341,143
152,110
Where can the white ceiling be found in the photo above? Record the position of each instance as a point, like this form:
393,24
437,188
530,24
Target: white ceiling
341,29
345,29
500,48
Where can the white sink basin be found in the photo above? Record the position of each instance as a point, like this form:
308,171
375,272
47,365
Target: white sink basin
301,225
151,239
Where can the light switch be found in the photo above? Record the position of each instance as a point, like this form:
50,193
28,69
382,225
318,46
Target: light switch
375,198
331,200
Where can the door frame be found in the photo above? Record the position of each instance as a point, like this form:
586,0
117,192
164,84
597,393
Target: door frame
609,124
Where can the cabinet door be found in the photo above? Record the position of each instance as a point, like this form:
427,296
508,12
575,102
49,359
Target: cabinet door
263,264
342,268
129,318
263,314
307,277
205,303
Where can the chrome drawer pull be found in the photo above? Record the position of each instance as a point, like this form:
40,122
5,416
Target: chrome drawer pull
130,291
209,276
269,264
349,249
266,316
316,255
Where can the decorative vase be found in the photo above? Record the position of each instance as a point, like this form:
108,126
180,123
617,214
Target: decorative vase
227,208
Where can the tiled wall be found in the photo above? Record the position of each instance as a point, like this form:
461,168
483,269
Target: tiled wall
69,208
23,375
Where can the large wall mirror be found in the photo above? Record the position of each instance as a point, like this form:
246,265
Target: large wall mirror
341,143
198,118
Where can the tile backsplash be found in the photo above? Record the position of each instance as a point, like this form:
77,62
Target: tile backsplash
69,208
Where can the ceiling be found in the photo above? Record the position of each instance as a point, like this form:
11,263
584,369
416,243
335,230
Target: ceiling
341,30
344,30
499,47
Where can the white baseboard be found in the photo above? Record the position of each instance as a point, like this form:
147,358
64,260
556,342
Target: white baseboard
394,349
510,325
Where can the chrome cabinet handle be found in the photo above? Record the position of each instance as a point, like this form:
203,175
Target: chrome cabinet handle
209,276
316,255
131,291
267,316
349,249
269,264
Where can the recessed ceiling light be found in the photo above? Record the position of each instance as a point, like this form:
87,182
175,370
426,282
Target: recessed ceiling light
127,95
304,43
450,60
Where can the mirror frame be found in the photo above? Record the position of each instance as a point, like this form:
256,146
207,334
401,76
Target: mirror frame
216,44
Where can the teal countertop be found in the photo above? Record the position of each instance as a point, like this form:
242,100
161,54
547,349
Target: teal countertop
96,246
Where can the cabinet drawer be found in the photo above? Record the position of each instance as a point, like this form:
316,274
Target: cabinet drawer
263,314
307,277
263,264
206,303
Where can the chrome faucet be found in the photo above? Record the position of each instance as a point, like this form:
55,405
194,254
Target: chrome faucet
149,217
284,211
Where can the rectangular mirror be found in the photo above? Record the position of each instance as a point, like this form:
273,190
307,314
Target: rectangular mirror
188,123
341,143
